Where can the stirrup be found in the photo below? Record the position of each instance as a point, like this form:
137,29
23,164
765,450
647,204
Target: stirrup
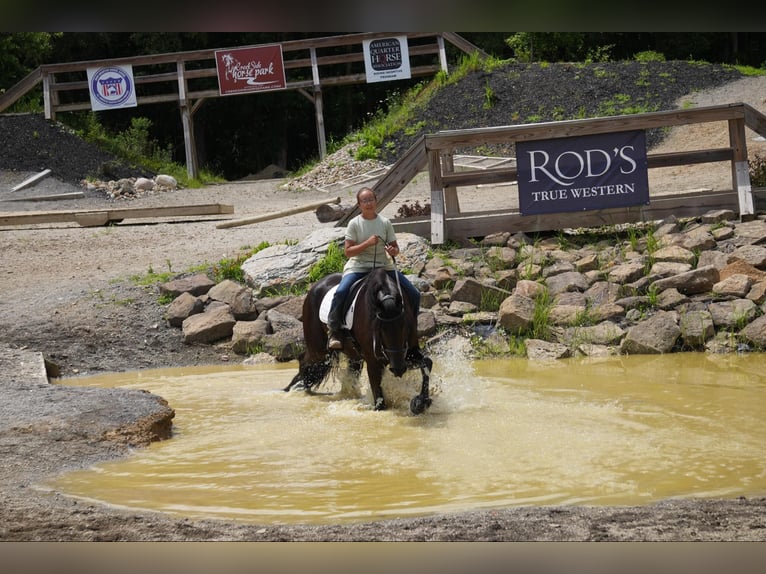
334,343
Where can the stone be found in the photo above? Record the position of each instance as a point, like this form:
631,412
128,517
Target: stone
656,335
197,284
182,307
238,297
214,324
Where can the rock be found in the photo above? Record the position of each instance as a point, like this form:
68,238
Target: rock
655,335
214,324
516,313
696,328
198,284
166,181
700,280
238,297
182,307
539,350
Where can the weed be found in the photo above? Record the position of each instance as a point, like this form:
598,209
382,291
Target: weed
757,171
489,96
517,346
490,300
332,262
231,268
541,327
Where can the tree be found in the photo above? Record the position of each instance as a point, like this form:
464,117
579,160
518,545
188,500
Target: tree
22,52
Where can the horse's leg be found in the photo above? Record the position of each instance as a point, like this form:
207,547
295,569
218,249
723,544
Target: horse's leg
421,402
375,374
310,374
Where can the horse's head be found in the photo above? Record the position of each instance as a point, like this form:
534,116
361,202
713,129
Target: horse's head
390,337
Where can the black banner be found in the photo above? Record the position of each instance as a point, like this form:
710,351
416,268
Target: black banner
582,173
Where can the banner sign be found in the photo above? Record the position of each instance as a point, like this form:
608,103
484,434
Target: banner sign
582,173
245,70
111,87
387,59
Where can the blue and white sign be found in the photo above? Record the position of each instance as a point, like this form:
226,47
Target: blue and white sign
582,173
111,87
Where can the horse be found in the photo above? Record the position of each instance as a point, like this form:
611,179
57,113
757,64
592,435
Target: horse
383,333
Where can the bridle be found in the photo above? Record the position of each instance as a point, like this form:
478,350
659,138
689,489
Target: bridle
382,352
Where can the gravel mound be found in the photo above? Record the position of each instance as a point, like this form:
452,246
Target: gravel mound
30,143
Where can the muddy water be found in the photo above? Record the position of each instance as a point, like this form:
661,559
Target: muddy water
620,430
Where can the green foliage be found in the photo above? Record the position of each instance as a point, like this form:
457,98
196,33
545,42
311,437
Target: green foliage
332,262
541,327
757,167
649,56
752,71
231,268
489,96
547,46
151,277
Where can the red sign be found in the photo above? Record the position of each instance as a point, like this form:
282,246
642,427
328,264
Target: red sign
243,70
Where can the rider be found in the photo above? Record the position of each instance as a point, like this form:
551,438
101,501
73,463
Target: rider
369,237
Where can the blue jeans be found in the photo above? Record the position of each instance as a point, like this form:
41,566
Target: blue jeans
341,293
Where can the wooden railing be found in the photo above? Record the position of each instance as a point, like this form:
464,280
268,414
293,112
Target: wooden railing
191,77
446,221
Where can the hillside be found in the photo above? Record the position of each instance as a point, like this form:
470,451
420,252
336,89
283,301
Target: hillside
528,93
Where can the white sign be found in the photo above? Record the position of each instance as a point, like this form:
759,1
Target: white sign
111,87
387,59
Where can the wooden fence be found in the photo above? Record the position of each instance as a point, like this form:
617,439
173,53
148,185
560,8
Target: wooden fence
436,151
190,78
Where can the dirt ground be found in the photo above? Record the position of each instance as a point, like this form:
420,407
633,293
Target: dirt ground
66,292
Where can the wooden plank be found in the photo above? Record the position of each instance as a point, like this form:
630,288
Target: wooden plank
30,180
506,174
480,224
98,217
276,214
52,197
755,120
467,138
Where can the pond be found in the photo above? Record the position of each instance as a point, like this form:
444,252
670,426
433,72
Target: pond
619,430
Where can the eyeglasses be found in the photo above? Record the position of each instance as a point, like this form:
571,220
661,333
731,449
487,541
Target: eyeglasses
368,200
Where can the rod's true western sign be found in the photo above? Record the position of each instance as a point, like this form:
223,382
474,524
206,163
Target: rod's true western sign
582,173
255,69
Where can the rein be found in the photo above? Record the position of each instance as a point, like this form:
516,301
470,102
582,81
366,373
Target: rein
376,347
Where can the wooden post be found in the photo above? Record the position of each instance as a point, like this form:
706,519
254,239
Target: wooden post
740,169
318,105
438,235
451,201
442,53
49,114
186,120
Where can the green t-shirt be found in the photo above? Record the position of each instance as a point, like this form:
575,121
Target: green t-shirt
359,230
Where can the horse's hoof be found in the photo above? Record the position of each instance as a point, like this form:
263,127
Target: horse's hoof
380,405
419,404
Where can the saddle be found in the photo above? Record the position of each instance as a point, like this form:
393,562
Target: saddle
347,310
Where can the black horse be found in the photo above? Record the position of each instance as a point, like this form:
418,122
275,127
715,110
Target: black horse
383,333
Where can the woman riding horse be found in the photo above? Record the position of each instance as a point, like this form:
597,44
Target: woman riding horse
364,250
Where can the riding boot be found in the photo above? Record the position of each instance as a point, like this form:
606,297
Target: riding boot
334,342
